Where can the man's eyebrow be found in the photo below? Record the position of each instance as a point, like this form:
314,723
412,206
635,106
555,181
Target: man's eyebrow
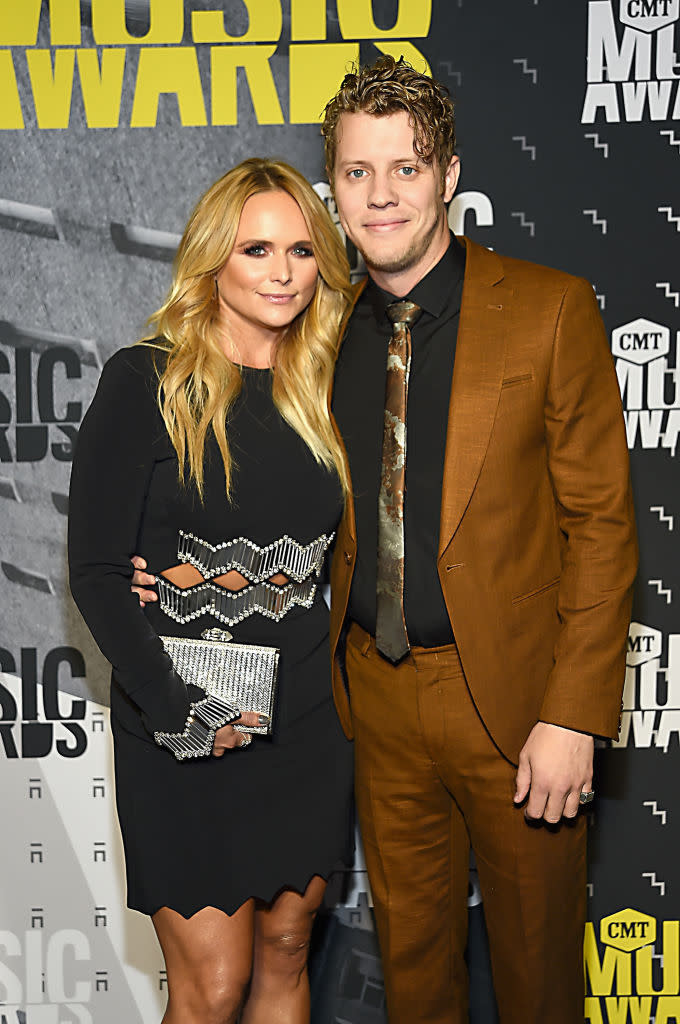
413,158
353,161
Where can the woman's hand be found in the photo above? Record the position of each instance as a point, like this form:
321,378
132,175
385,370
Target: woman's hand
228,738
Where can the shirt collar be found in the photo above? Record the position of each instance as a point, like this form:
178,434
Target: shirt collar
432,292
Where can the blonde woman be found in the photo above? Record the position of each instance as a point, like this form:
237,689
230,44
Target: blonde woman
215,431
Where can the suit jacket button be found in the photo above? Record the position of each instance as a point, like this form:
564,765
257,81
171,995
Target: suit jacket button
348,557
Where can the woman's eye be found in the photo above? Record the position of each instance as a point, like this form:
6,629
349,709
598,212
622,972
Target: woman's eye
303,250
255,250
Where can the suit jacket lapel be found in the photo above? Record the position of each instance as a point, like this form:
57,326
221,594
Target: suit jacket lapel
477,380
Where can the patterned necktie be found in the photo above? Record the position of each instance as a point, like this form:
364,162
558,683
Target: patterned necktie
390,628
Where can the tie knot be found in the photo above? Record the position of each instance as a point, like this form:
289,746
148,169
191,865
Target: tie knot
403,313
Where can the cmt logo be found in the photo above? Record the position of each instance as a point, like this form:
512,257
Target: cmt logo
648,15
649,379
629,979
33,717
632,72
42,978
628,930
36,397
651,696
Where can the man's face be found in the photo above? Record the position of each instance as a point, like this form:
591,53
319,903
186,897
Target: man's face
390,202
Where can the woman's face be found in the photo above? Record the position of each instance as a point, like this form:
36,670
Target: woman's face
271,274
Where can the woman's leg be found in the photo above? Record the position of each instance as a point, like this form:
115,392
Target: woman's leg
209,961
279,988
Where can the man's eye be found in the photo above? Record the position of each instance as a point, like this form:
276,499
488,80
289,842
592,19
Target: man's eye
408,172
255,250
357,172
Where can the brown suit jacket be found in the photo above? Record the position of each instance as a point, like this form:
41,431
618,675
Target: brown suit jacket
537,546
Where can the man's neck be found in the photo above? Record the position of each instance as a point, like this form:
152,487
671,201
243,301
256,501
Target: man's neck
399,283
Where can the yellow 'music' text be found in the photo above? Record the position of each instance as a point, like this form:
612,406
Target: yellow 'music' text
196,59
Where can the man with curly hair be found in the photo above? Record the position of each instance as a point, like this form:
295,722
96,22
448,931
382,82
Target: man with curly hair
482,577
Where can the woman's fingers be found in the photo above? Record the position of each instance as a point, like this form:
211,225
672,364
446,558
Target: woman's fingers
252,719
229,738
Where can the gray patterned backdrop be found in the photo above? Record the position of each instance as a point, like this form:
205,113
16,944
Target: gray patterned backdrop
114,117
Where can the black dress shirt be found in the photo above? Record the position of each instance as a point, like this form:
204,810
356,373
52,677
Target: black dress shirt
358,406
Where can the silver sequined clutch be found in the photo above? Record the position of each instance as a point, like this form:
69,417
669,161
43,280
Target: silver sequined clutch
241,674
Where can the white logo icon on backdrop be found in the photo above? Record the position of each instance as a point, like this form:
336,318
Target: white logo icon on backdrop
648,15
651,698
632,65
649,380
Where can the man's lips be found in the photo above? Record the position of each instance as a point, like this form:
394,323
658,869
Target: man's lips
384,225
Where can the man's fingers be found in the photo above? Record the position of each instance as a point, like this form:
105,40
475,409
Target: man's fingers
522,781
143,579
554,808
572,804
536,804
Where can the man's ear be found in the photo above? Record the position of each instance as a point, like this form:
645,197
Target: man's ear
451,178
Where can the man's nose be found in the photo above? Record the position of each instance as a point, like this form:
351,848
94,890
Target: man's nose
382,191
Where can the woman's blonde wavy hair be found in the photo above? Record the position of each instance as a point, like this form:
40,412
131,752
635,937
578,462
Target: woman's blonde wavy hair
198,383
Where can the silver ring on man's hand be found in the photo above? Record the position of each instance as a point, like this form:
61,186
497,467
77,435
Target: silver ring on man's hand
246,740
586,797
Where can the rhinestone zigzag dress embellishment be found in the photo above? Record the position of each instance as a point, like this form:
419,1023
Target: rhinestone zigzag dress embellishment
301,563
231,606
257,564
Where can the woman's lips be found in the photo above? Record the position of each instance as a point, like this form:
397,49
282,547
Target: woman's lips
277,300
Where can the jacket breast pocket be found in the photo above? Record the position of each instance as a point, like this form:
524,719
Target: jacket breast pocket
536,591
515,380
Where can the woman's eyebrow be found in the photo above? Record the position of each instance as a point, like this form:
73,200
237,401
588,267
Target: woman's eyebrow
254,241
264,242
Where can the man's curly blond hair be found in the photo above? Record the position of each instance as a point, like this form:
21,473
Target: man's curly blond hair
386,87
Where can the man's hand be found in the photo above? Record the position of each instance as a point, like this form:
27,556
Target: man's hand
555,766
141,579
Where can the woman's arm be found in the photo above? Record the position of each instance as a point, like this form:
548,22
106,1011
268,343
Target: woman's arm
109,482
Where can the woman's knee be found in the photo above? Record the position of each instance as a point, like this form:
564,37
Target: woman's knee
208,997
284,951
283,931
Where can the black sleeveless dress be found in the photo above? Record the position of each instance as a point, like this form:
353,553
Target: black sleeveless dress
211,831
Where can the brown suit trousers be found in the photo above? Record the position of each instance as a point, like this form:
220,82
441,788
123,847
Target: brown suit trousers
430,782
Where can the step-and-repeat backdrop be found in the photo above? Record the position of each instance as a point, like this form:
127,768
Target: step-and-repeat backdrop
114,117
